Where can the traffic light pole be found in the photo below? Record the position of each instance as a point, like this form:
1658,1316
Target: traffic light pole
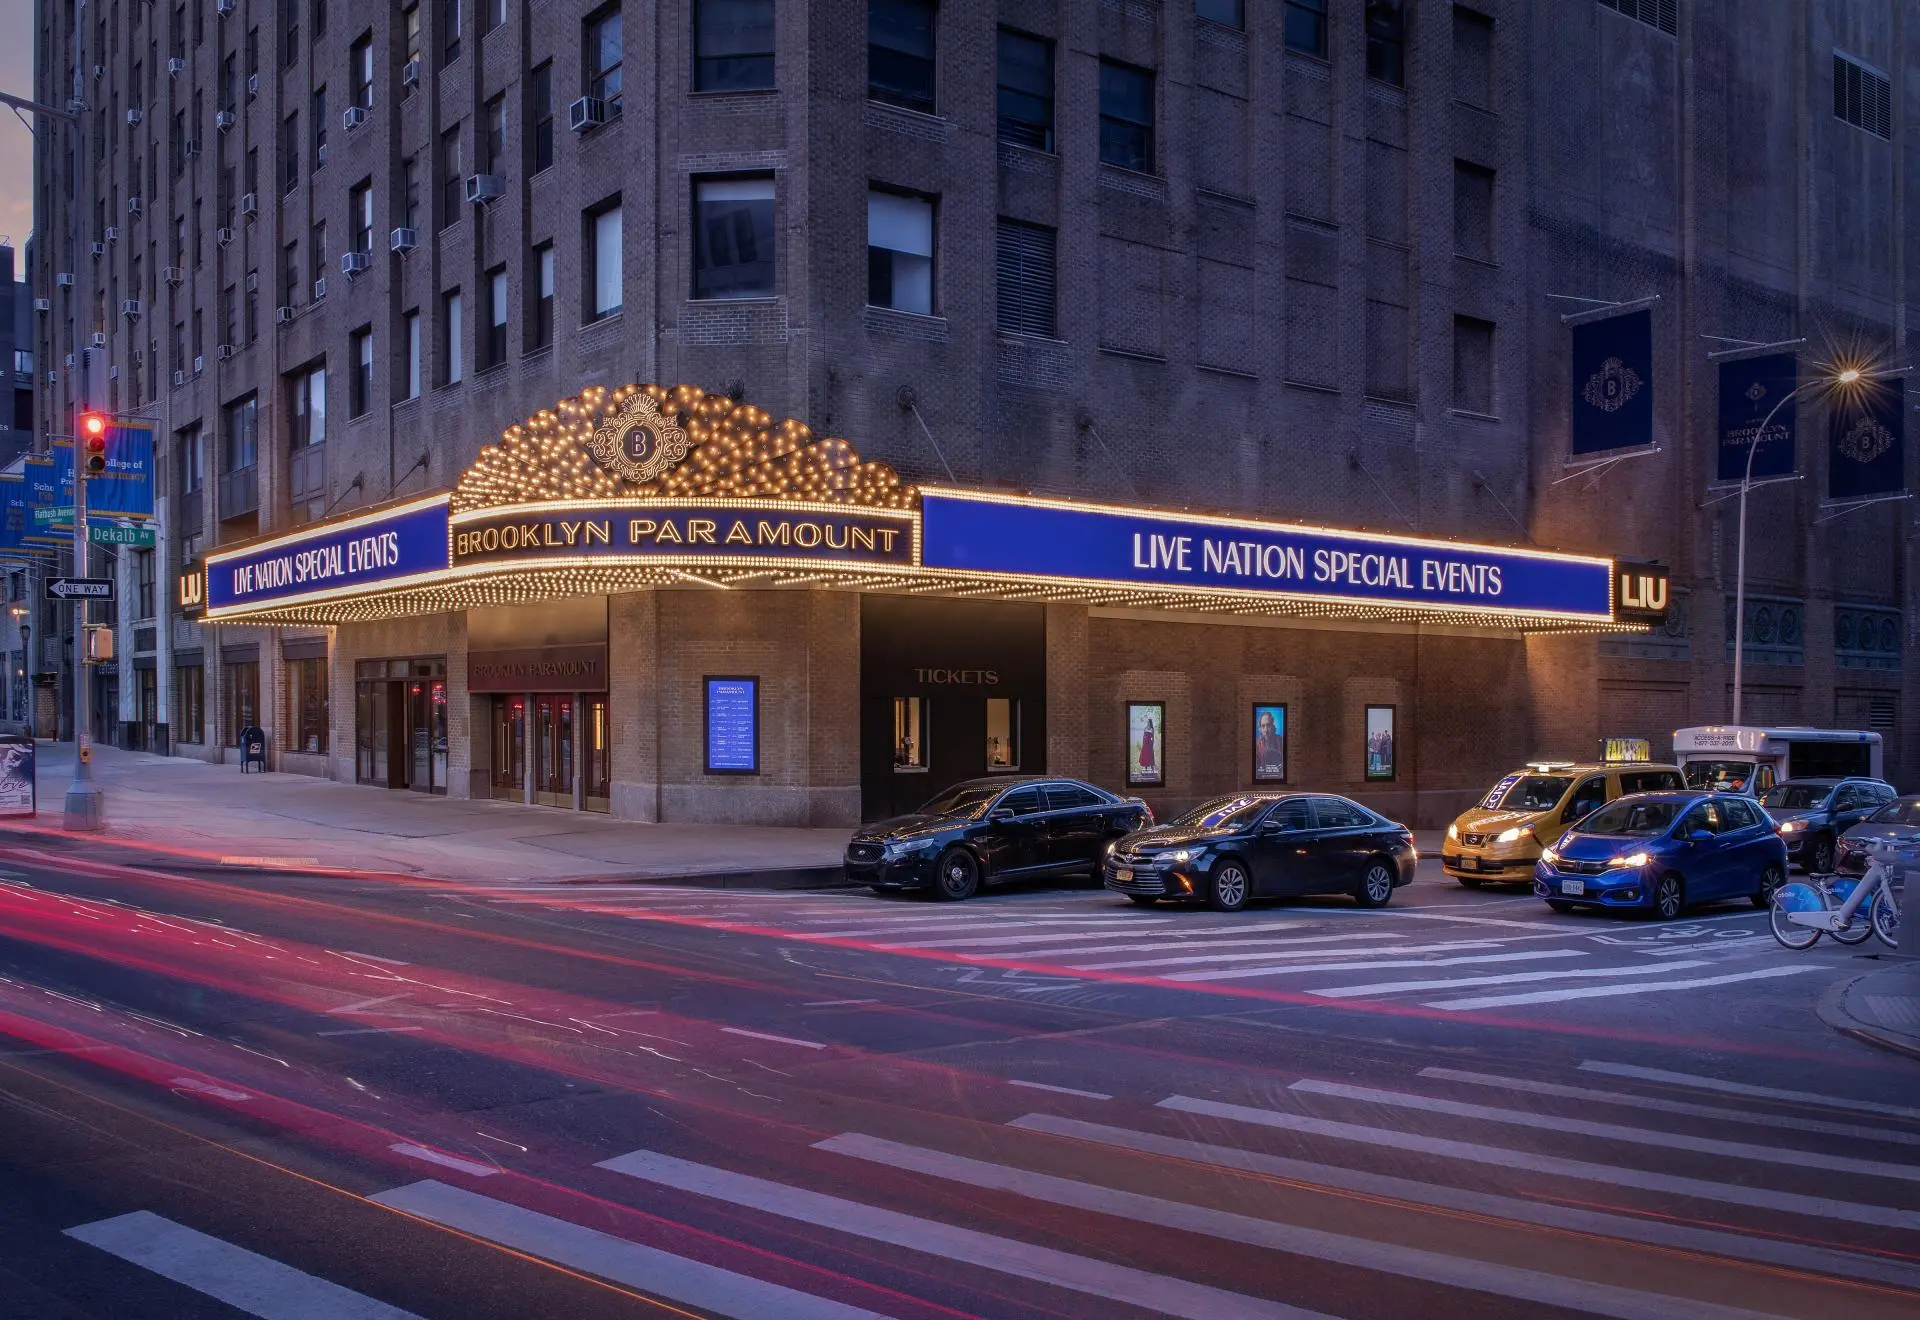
86,804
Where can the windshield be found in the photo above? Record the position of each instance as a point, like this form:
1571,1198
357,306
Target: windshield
1798,797
1234,813
1640,820
962,798
1898,813
1533,792
1719,776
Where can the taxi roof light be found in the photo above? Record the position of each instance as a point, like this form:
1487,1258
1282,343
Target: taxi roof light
1544,766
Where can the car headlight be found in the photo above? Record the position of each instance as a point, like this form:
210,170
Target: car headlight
1453,831
1789,826
1548,855
1630,860
1510,836
898,848
1184,854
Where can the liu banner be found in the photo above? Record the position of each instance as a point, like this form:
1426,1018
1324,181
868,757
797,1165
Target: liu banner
1750,389
1613,383
1865,439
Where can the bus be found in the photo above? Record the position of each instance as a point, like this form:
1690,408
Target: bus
1745,758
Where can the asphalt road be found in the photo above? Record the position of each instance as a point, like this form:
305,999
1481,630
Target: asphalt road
228,1092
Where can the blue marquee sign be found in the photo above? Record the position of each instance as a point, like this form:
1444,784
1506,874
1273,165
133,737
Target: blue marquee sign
378,550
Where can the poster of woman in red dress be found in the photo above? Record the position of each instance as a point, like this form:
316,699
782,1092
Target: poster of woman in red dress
1146,736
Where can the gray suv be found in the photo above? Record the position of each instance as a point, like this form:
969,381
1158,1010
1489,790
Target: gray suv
1811,814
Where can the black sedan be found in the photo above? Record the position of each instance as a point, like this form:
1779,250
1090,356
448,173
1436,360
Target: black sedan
1811,814
1897,822
1251,845
984,831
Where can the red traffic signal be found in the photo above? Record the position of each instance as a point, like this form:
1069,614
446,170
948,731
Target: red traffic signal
93,443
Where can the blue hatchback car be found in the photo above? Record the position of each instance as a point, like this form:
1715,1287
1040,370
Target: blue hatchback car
1664,852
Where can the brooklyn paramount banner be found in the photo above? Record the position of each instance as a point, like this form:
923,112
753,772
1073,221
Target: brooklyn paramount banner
1867,440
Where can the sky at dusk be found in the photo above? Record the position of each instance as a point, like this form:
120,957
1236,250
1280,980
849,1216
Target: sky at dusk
16,144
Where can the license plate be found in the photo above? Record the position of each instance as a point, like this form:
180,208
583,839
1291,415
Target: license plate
1573,886
1482,864
1123,874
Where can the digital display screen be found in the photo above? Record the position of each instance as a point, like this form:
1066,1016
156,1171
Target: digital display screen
733,726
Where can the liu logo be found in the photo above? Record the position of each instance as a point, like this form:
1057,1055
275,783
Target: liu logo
1613,386
1866,441
1643,593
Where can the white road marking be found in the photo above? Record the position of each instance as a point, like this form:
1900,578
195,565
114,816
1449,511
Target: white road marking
1736,1150
1240,973
689,1282
1093,925
1587,1095
1500,1156
1510,978
1059,1090
837,1003
208,1088
362,1005
1188,961
1742,1088
1539,1287
1666,1234
1198,939
955,1245
374,957
432,1156
368,1031
784,1040
1414,914
244,1280
1607,991
982,941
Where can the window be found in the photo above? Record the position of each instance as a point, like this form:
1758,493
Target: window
240,704
229,315
1304,27
1472,58
540,115
360,391
732,45
1340,814
540,327
289,33
189,703
604,275
360,215
733,238
307,408
410,337
453,180
1862,97
450,16
229,80
1586,799
909,735
253,305
1387,41
143,584
1473,364
306,721
600,48
1003,744
317,249
1233,13
900,53
290,153
410,192
290,275
493,345
1026,90
1662,14
319,19
360,68
319,117
496,13
191,459
1126,116
450,329
243,435
410,25
496,142
900,252
1472,211
252,176
1025,274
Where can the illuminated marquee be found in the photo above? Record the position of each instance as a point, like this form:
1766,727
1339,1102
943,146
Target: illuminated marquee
684,530
393,546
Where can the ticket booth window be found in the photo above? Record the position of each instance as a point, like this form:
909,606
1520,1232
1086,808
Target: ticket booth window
910,735
1003,734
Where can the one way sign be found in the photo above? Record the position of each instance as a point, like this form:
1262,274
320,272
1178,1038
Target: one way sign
87,588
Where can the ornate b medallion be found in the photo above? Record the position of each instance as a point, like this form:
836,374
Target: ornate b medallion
1756,391
1866,441
1610,388
639,442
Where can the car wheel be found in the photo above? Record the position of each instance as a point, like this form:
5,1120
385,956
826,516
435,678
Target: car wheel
1820,856
1229,887
959,876
1560,905
1376,886
1144,900
1770,881
1469,881
1669,897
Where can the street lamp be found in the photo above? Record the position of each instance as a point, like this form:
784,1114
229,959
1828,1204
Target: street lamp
1840,381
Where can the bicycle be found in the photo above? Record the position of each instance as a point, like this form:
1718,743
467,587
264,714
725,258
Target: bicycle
1803,910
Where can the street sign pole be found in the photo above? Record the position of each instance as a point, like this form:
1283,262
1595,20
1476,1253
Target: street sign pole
86,805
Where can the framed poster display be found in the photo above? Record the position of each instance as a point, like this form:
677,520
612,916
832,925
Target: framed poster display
1269,742
1146,744
1380,748
732,724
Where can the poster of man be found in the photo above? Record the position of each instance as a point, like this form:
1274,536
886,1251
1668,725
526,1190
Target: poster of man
1146,737
1380,742
1269,744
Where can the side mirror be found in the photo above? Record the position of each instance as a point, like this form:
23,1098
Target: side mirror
1001,814
1700,836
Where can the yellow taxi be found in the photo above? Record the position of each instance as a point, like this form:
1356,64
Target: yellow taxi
1500,839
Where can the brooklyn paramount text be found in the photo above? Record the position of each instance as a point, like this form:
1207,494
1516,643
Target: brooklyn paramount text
587,534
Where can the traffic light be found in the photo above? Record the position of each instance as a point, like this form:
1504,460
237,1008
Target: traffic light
93,443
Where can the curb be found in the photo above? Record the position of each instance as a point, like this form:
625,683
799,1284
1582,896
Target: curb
1831,1009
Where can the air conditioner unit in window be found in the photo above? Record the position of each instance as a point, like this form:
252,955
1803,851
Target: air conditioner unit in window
70,359
588,112
282,314
354,263
176,66
224,8
53,378
223,236
224,352
353,116
402,240
253,281
253,85
113,233
249,204
64,279
191,146
133,206
179,378
199,364
320,288
43,304
113,372
133,119
410,74
99,71
223,120
97,249
131,309
99,339
172,274
483,187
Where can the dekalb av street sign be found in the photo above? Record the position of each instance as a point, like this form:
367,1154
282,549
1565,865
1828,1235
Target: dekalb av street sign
80,588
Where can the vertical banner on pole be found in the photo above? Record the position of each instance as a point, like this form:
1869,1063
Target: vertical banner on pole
1613,383
1750,388
1866,437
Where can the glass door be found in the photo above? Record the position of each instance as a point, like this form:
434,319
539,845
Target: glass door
597,766
553,749
420,735
509,761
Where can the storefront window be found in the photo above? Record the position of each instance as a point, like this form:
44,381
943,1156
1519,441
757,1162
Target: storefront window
306,721
240,707
189,704
1003,734
909,734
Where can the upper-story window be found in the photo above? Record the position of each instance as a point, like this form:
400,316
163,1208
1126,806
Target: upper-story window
733,237
360,66
451,12
307,408
360,214
605,278
540,115
900,252
1025,100
1387,41
900,51
601,52
1233,13
732,45
1304,26
1862,96
1126,116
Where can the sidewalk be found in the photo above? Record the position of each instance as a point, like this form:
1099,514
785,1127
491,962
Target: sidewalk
1879,1008
215,814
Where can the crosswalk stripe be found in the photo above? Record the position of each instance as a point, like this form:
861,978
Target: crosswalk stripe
1500,1156
1094,925
244,1280
689,1282
1588,1095
1240,973
956,1245
1743,1088
1608,991
1196,939
1509,978
1738,1150
1664,1233
1385,1257
985,941
1189,960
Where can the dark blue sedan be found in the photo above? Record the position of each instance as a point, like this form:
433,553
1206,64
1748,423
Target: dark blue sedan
1664,852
